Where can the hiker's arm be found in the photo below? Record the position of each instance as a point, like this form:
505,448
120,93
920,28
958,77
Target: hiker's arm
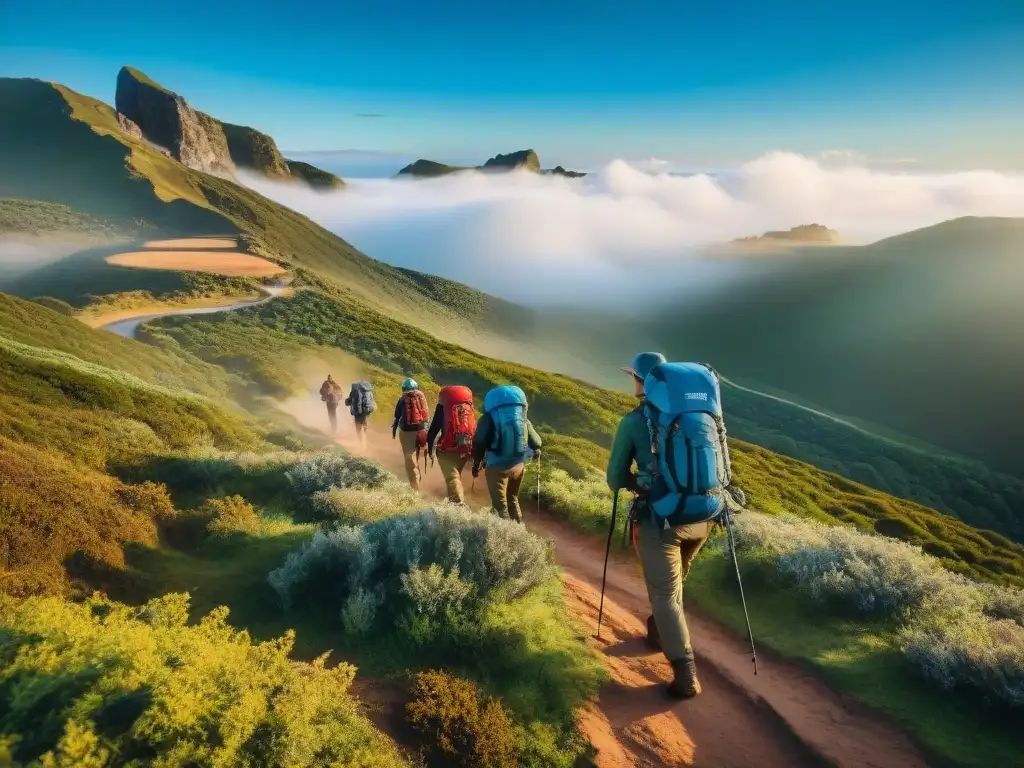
532,438
398,418
482,438
621,460
436,425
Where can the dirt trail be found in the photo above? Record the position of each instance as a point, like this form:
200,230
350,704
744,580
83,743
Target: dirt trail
782,717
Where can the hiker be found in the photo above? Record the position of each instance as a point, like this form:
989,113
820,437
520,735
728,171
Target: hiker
506,437
330,394
455,421
361,404
411,416
677,439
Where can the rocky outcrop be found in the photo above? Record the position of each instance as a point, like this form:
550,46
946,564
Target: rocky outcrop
524,159
257,151
129,126
560,171
317,178
428,169
167,120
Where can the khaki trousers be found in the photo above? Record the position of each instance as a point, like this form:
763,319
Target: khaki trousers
503,485
412,468
666,555
452,465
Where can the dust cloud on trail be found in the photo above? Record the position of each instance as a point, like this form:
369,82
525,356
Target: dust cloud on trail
310,412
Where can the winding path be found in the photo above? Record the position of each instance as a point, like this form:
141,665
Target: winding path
127,326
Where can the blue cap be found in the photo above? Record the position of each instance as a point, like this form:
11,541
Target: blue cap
409,384
644,363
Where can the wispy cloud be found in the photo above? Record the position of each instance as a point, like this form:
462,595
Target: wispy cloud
370,114
621,231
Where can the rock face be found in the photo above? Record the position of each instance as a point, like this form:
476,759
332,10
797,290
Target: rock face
250,148
560,171
166,119
429,169
525,159
129,126
317,178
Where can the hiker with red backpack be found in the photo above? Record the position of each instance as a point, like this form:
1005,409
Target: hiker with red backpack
506,438
676,437
455,421
411,417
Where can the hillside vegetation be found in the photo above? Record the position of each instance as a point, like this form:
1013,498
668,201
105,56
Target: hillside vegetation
911,332
582,416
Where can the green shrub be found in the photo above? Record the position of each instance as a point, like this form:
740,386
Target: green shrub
99,683
957,633
458,725
430,568
229,516
335,469
52,509
355,506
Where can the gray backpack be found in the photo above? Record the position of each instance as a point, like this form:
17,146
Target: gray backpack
361,397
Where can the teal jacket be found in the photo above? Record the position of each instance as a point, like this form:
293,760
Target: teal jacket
632,444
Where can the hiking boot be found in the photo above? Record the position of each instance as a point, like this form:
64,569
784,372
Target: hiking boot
653,639
685,685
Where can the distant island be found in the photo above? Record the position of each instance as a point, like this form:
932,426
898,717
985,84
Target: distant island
817,234
523,159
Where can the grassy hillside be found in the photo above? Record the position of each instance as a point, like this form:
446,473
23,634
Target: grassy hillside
912,332
485,324
582,416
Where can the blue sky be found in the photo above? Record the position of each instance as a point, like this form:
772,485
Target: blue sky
703,84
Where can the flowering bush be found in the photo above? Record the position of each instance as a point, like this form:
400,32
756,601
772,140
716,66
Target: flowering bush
103,684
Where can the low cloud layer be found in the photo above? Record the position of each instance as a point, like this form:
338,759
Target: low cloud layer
542,239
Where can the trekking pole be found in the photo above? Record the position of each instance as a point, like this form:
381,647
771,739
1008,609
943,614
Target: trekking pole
538,485
607,551
739,580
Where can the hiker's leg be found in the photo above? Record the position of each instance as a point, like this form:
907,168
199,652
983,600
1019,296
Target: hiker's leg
451,466
453,478
332,415
692,538
663,571
515,480
408,441
497,486
361,431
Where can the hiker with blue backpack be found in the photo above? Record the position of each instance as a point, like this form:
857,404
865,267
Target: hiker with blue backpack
682,484
505,439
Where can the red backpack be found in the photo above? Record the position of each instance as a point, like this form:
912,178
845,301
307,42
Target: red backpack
416,415
459,420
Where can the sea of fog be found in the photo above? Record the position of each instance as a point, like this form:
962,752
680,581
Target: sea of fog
626,231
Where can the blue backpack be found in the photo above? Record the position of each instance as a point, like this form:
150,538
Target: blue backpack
507,407
683,407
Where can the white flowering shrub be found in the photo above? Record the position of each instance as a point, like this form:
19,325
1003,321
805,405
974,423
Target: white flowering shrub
956,632
331,469
435,564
